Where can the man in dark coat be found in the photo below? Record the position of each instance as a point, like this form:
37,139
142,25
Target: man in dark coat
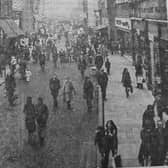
103,81
30,115
108,66
42,60
10,85
88,93
99,61
161,144
41,118
35,55
127,83
82,66
145,151
148,115
54,85
54,55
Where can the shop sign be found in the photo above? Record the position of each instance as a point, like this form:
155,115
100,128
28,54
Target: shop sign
124,23
122,1
153,9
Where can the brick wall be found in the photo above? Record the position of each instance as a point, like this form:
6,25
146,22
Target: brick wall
5,8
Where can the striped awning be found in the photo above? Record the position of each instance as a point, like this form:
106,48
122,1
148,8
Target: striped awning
10,28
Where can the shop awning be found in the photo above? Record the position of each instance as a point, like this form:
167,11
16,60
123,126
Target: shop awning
97,28
10,28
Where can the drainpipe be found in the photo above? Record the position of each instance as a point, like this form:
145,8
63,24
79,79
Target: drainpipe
133,42
147,53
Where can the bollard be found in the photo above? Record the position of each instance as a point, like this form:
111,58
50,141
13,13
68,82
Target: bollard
100,108
21,124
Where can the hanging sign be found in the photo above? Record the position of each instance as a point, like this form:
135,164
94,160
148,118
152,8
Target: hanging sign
124,23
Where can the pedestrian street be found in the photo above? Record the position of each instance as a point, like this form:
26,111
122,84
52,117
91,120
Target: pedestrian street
126,112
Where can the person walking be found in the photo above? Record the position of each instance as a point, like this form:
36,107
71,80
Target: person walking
54,85
139,75
68,92
161,144
112,141
88,93
54,55
108,66
82,66
10,86
148,115
102,79
35,55
13,64
42,114
30,119
28,74
127,83
145,152
42,60
99,61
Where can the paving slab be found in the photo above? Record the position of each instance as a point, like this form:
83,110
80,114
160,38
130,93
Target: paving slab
126,112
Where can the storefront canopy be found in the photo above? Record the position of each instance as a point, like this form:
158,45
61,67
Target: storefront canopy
101,27
10,28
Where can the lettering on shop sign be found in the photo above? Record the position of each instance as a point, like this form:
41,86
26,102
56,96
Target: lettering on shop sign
154,9
122,1
124,23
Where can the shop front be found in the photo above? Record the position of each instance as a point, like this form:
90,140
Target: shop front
164,62
145,30
154,58
146,51
9,33
102,30
123,29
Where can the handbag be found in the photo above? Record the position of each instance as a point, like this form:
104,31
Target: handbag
118,161
143,80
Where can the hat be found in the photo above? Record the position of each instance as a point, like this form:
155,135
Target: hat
93,68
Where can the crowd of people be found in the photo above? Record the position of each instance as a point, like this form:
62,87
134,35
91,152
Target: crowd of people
154,138
79,50
85,51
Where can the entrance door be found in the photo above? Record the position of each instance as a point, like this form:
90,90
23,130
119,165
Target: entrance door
152,63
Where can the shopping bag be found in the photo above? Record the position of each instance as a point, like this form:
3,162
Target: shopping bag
34,139
140,79
118,161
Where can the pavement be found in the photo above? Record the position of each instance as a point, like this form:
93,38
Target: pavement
126,112
70,133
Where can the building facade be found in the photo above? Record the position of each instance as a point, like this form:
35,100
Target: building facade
92,8
141,26
148,31
111,13
123,25
5,8
101,16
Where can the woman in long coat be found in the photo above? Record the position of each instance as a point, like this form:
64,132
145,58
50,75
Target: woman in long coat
68,92
127,83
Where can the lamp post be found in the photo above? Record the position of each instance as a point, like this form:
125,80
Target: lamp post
103,117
